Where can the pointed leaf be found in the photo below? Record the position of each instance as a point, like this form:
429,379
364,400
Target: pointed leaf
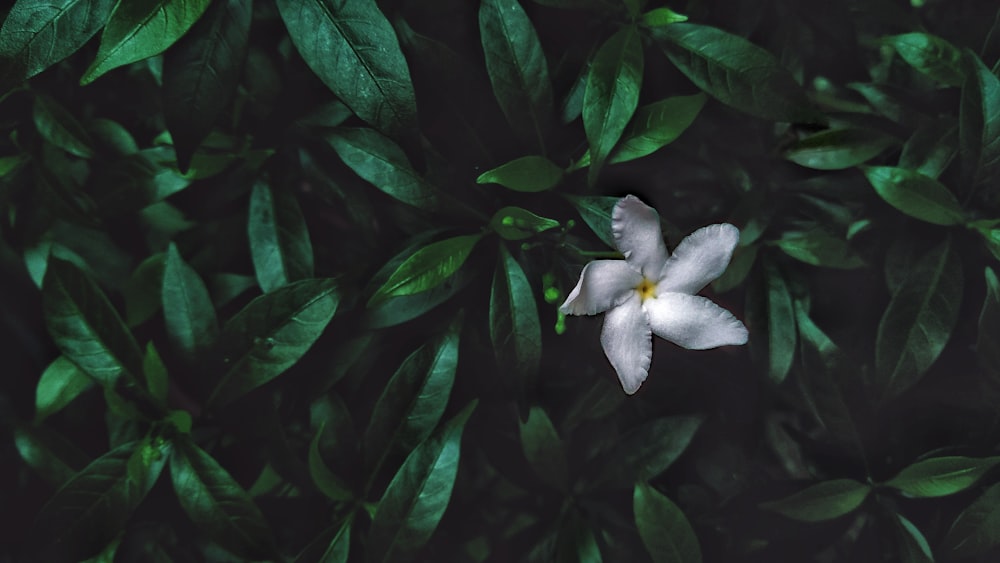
931,55
60,383
655,126
427,267
664,529
596,213
781,334
915,194
645,451
543,448
515,223
325,480
279,239
820,249
54,457
661,16
515,330
823,501
941,476
837,149
979,122
58,126
187,308
913,545
525,174
977,528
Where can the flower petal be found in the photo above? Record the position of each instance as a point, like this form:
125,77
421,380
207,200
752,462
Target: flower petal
693,322
636,230
700,258
627,342
603,284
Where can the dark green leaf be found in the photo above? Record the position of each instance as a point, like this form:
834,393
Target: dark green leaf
60,383
979,124
543,448
977,528
596,213
333,545
201,72
941,476
418,495
739,268
820,249
187,308
930,55
525,174
279,240
56,125
836,149
781,333
51,455
157,378
381,162
656,125
143,290
823,501
913,545
736,72
645,451
326,481
352,48
989,326
515,330
427,267
217,504
664,529
517,68
931,148
612,94
915,194
140,29
271,333
85,326
515,223
919,320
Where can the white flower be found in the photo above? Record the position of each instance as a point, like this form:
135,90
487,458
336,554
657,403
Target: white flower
653,292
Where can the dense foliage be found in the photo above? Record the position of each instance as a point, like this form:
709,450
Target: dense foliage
281,280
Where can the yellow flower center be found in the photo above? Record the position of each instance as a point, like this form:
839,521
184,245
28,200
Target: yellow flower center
646,289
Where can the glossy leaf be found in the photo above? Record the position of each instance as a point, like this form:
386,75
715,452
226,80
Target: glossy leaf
735,72
664,529
217,504
85,327
525,174
820,249
543,449
837,149
60,383
655,126
271,333
279,239
515,330
141,29
596,213
515,223
352,48
916,195
977,528
517,68
56,125
823,501
661,16
427,267
187,308
941,476
201,73
931,55
919,320
612,94
416,498
979,122
913,543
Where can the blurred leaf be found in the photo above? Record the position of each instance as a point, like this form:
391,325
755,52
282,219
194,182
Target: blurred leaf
58,126
644,452
525,174
279,239
515,223
143,290
918,322
378,160
736,72
187,308
837,149
515,329
931,148
517,68
820,249
271,333
661,16
418,495
157,379
427,267
85,326
596,213
931,55
140,29
941,476
60,383
201,72
979,124
52,456
326,481
739,268
413,400
612,94
823,501
915,194
543,449
664,529
977,528
781,333
217,504
989,326
914,546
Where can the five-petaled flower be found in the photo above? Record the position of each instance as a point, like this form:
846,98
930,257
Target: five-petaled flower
654,292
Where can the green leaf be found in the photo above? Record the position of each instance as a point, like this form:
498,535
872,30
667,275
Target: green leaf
92,508
612,94
52,456
517,68
913,545
412,403
979,121
918,322
141,29
644,452
326,481
58,126
515,223
823,501
837,149
143,290
655,126
664,529
332,545
201,73
916,195
931,148
736,72
418,495
596,213
271,333
39,33
84,325
378,160
661,16
977,528
217,504
515,330
941,476
352,48
543,449
989,326
931,55
279,239
187,308
820,249
525,174
60,383
427,267
781,333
